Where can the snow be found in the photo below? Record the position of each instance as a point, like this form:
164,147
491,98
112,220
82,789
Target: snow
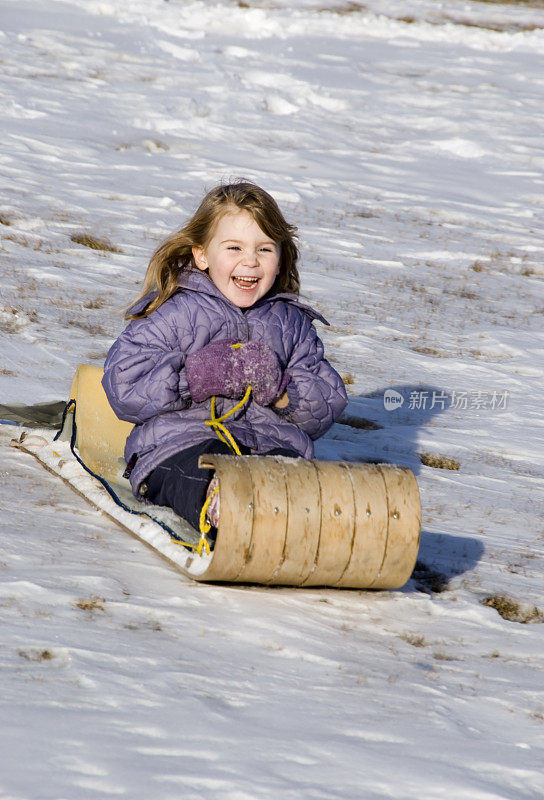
405,141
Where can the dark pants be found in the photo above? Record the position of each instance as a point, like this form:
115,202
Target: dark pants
180,484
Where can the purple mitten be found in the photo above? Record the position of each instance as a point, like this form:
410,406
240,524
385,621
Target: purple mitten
215,370
263,371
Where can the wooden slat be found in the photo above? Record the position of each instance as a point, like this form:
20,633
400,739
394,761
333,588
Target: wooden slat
303,522
233,543
371,517
404,526
269,520
337,524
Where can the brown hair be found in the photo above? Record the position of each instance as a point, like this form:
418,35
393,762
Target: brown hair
175,256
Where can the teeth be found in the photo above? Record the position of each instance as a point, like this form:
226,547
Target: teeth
245,281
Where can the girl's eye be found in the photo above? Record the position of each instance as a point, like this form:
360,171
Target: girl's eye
237,248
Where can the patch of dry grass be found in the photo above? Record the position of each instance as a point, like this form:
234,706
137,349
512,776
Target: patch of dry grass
92,603
346,8
366,213
88,327
437,461
466,294
12,320
9,320
32,243
512,610
428,351
439,655
96,302
526,3
359,422
17,238
94,242
36,654
415,639
496,27
98,355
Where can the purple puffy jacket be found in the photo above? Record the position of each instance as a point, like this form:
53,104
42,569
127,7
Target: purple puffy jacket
145,381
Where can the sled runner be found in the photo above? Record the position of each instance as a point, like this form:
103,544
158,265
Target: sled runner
283,521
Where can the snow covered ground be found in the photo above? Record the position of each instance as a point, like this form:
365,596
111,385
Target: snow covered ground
405,140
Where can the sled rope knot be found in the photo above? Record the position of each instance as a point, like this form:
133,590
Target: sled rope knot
203,544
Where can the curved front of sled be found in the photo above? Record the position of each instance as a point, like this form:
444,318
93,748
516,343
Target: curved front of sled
101,436
314,523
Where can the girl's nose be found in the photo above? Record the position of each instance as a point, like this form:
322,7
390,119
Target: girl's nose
251,258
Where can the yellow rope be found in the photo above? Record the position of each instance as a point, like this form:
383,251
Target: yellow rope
205,526
203,544
225,436
221,430
223,433
190,545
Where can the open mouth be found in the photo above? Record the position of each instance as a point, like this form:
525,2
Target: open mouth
245,283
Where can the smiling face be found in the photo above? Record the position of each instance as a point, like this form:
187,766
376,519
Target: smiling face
241,259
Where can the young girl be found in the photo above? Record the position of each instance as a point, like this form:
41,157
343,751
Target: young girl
219,332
